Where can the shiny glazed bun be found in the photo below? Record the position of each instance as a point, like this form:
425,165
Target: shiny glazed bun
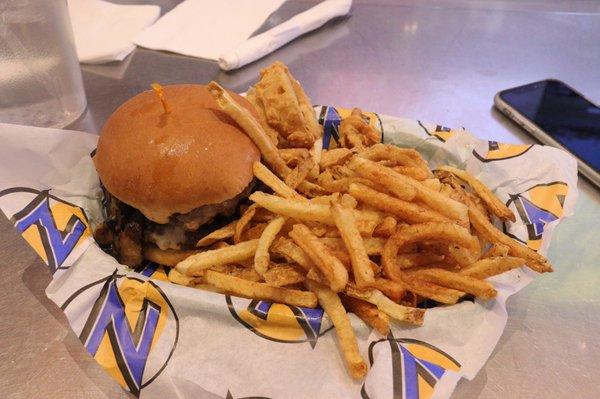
167,163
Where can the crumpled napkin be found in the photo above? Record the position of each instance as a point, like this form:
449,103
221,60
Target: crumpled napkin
207,28
104,31
267,42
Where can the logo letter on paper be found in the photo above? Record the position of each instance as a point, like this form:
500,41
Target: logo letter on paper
124,325
539,205
414,368
53,227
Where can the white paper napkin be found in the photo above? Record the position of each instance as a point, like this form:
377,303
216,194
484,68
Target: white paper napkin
267,42
207,28
104,31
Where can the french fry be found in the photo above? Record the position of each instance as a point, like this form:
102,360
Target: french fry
489,267
243,222
344,220
293,156
293,209
447,233
402,313
473,200
416,173
311,189
250,289
176,277
299,173
261,257
219,245
496,249
391,180
488,231
251,127
331,267
336,156
220,234
169,257
331,232
491,201
392,289
317,228
462,256
256,101
357,133
292,252
446,189
366,220
253,232
341,171
368,313
332,305
263,174
348,201
263,216
373,245
326,199
344,257
280,275
532,259
315,275
448,296
445,278
386,228
375,267
400,156
195,265
342,185
315,153
416,259
432,183
407,211
244,272
409,299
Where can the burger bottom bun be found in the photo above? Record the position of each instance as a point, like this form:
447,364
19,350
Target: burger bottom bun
166,257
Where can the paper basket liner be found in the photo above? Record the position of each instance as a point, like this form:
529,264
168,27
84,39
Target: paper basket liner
162,340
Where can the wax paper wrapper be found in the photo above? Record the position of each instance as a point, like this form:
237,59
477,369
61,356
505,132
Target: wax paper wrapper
160,340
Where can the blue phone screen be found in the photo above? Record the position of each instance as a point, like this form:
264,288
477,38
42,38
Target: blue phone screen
563,114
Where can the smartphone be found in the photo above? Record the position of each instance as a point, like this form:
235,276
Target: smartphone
557,115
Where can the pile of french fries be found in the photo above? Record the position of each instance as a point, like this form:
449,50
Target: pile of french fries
365,227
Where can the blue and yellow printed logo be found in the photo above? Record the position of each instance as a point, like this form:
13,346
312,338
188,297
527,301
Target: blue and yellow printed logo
440,132
499,151
154,271
278,322
130,317
537,206
330,118
415,366
52,226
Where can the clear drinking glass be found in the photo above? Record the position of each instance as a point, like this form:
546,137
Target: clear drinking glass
40,78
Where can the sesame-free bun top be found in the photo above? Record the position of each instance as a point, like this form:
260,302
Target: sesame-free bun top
166,163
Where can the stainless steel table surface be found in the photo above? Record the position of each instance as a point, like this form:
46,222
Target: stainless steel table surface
440,61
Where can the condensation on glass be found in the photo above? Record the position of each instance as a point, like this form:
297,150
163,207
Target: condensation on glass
40,78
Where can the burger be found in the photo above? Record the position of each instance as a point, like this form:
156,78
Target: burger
174,168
